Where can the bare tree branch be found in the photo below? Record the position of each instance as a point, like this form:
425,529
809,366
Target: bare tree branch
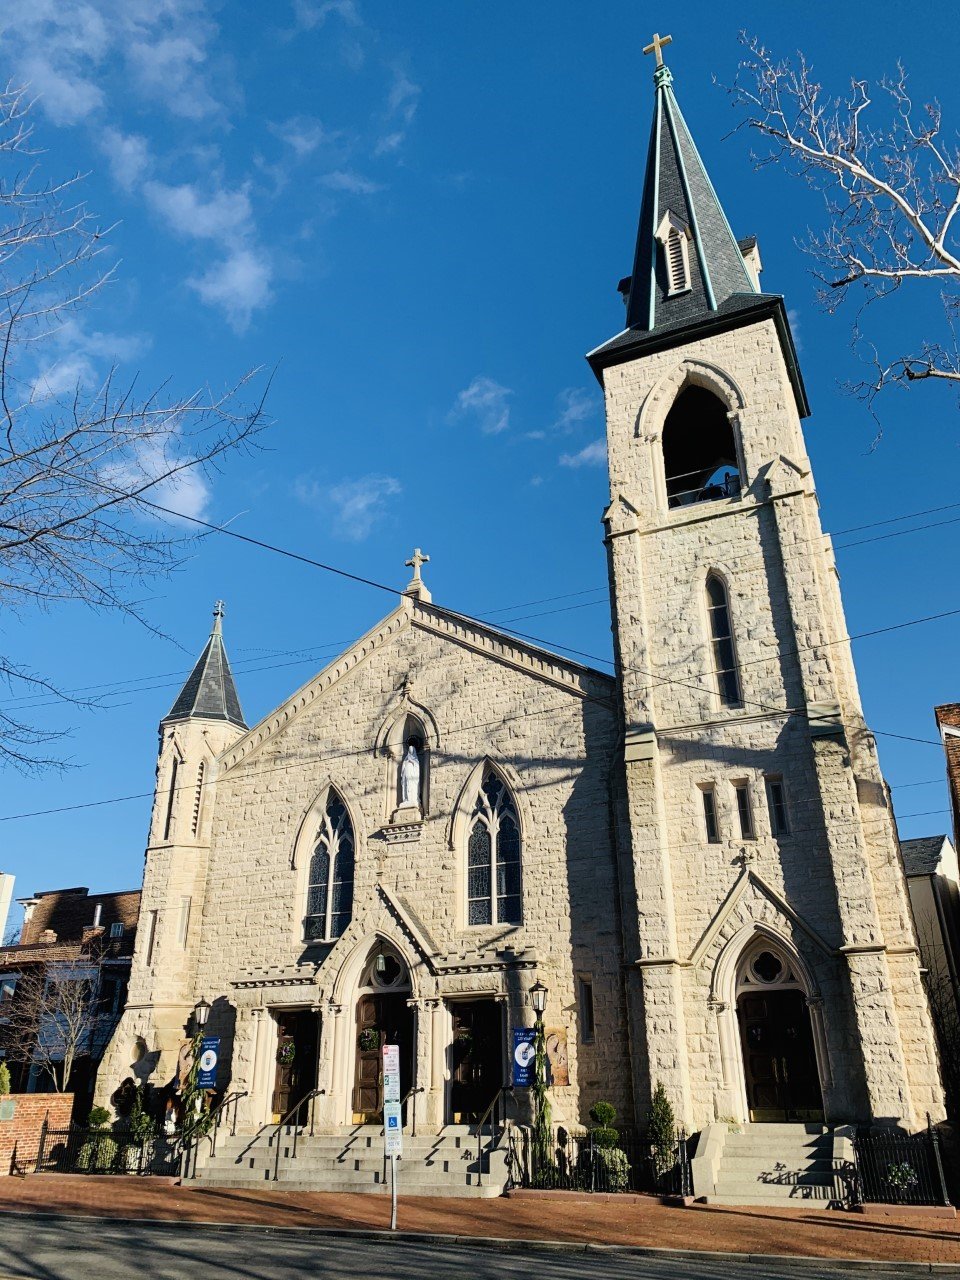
88,473
892,193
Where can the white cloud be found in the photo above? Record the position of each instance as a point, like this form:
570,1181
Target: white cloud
238,285
186,493
357,505
575,405
402,102
353,183
222,215
486,401
65,96
172,69
302,134
128,156
591,455
81,358
314,13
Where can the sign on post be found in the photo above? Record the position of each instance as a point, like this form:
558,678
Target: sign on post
392,1121
209,1057
524,1053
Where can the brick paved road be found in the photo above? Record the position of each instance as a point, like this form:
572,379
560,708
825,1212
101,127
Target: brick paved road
49,1249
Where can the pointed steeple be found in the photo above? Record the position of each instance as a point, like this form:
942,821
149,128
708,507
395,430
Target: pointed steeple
678,196
209,693
690,277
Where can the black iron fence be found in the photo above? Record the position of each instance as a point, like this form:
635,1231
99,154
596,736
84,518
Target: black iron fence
102,1151
577,1162
899,1168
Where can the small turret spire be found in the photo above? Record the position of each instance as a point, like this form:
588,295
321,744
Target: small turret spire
210,693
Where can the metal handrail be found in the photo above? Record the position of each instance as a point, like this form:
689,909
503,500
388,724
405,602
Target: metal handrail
314,1093
194,1139
412,1093
491,1115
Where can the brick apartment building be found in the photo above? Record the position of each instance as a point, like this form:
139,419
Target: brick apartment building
81,937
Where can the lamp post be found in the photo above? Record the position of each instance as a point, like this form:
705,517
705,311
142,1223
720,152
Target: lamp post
201,1012
542,1128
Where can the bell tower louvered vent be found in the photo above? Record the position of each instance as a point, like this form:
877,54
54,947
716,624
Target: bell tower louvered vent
674,238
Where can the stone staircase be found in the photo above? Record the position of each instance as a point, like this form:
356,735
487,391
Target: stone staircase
352,1159
771,1164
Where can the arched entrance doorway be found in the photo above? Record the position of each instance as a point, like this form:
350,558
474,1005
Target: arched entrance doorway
383,1016
779,1058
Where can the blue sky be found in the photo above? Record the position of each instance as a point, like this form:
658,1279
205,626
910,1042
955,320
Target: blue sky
418,214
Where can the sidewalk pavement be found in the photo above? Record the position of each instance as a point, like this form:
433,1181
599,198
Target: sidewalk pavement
620,1220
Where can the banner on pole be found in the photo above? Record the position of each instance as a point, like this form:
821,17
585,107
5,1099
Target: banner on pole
524,1053
209,1057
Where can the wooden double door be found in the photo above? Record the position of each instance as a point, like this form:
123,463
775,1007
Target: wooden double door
476,1053
298,1043
382,1018
779,1059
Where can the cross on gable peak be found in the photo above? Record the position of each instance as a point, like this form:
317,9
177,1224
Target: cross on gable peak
416,586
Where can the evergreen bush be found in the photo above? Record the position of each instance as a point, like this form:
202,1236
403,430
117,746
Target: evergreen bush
4,1078
98,1118
605,1136
662,1129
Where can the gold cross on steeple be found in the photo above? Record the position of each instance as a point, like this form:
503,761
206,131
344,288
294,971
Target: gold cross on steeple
657,44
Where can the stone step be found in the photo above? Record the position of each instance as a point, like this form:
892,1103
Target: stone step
755,1198
768,1164
732,1183
444,1190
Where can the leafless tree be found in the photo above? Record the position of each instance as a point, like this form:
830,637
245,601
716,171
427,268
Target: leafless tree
59,1013
90,467
892,192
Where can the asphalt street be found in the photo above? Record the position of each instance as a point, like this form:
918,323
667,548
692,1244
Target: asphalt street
58,1249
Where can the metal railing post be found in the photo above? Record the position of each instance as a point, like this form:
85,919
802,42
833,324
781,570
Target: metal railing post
937,1161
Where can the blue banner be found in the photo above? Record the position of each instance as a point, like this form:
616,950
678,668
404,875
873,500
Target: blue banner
524,1055
209,1057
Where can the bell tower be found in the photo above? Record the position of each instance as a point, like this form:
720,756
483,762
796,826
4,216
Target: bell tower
773,971
204,720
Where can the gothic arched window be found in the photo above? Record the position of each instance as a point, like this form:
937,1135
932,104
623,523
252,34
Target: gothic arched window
330,877
494,873
721,640
699,449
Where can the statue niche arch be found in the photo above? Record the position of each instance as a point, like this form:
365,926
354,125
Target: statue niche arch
701,458
406,743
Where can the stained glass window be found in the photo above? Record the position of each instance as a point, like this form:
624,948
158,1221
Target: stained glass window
721,635
330,898
494,872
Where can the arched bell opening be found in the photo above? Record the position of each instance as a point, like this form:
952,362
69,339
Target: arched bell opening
701,461
780,1067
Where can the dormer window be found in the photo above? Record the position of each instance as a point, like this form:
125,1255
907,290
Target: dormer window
674,238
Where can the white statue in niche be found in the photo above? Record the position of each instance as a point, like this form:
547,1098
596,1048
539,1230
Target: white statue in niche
410,779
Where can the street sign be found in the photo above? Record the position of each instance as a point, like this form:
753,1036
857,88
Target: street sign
391,1073
524,1053
209,1057
392,1129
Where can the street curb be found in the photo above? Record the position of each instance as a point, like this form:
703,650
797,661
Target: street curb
789,1261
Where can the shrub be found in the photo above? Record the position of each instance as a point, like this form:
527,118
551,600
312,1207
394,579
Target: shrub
143,1126
99,1117
4,1078
603,1114
613,1170
662,1122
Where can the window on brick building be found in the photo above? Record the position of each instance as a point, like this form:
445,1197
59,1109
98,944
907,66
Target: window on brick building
721,641
708,795
494,872
330,876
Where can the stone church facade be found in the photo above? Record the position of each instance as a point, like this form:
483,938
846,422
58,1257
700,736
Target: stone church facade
697,857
